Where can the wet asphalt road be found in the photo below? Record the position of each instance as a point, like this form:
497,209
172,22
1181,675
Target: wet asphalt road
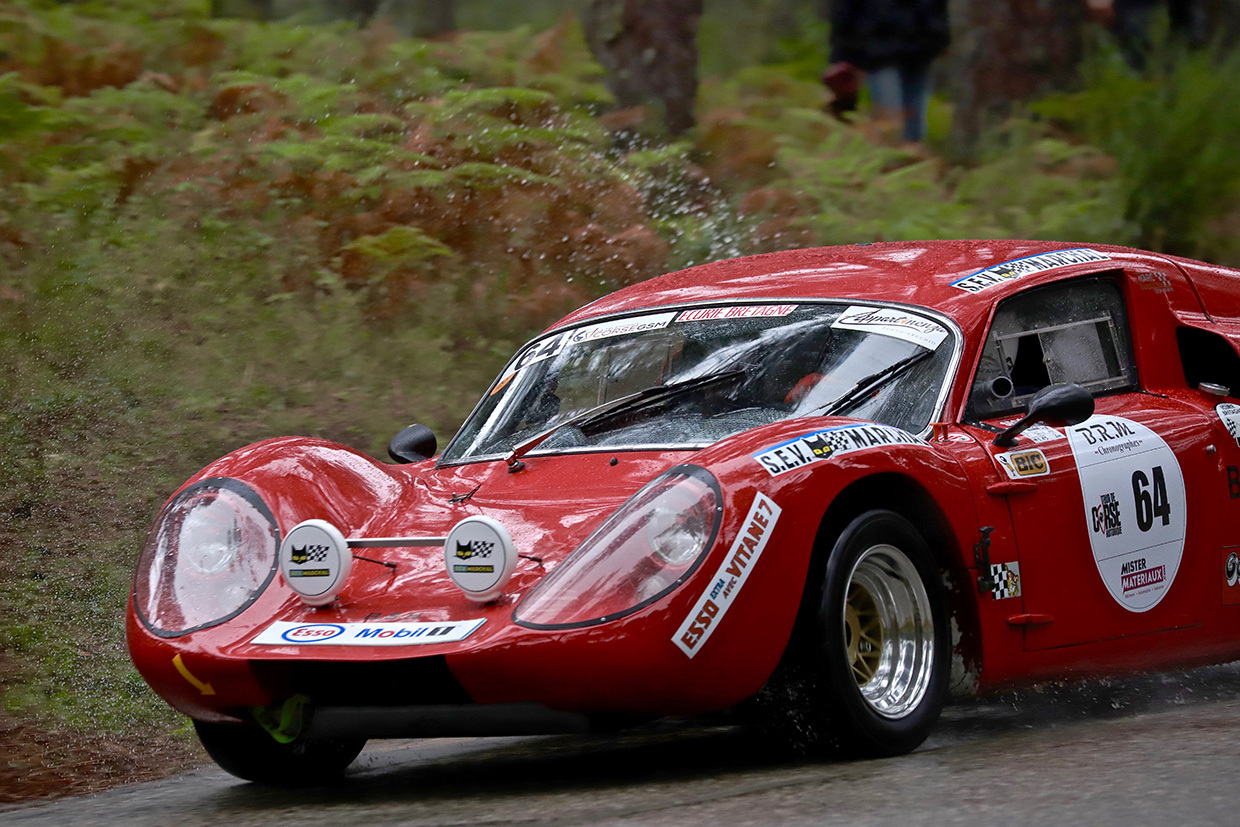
1159,750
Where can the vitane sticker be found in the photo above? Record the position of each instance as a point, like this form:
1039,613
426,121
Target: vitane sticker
714,603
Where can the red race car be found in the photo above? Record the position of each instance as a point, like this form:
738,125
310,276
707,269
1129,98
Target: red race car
830,487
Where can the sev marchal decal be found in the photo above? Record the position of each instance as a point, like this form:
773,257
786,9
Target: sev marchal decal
1027,266
844,439
894,323
1134,507
284,633
714,603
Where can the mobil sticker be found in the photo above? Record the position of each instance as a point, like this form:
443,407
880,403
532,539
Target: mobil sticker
285,633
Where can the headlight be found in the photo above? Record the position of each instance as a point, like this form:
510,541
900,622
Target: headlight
643,551
210,553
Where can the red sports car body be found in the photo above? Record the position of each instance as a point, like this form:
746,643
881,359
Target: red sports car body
869,475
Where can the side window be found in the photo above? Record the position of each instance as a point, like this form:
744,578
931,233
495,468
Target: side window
1071,332
1208,357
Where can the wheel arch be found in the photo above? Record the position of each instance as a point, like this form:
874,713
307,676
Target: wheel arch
908,498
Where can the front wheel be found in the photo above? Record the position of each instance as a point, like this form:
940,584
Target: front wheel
867,674
248,752
883,636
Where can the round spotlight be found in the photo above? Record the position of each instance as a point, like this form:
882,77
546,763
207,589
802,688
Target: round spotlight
315,561
480,557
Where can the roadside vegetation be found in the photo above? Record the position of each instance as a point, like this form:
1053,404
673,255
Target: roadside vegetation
216,231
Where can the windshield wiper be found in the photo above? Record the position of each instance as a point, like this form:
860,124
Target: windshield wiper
868,384
623,404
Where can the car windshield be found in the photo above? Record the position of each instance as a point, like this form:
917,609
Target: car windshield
690,377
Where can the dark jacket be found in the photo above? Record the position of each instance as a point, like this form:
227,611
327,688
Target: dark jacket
871,34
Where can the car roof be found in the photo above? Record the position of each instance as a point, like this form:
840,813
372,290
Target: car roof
931,274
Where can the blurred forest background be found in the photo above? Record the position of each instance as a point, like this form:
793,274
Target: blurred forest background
223,220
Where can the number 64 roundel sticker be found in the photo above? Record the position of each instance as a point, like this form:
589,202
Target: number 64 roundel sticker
1134,507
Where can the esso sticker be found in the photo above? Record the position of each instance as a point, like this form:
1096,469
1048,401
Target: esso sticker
1134,507
313,632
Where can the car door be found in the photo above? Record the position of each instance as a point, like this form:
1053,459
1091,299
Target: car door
1100,510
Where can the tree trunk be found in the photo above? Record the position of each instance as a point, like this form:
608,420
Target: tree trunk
419,18
254,9
649,50
432,17
355,11
785,19
1006,51
1223,22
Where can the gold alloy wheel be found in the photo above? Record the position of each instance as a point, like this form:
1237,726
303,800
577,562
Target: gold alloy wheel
888,631
863,633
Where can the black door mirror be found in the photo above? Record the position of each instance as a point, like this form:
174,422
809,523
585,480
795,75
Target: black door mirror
1056,405
413,444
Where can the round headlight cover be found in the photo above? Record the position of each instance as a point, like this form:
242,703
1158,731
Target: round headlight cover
210,553
643,551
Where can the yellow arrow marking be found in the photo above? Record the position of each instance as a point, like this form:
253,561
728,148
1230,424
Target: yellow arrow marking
204,688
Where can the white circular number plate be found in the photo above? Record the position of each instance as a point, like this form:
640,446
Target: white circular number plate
1134,507
315,561
480,557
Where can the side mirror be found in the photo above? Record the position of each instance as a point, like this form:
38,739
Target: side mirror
1055,404
413,444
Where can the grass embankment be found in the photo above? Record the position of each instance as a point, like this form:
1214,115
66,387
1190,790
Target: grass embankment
218,231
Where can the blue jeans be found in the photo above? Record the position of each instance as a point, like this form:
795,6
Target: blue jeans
904,89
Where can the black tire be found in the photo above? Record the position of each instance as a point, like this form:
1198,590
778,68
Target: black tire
832,696
248,752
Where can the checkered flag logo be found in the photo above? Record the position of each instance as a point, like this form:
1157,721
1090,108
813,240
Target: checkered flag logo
474,548
1006,577
843,440
308,554
820,444
829,442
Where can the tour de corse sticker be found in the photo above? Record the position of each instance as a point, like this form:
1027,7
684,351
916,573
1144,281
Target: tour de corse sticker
1134,507
315,561
480,557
